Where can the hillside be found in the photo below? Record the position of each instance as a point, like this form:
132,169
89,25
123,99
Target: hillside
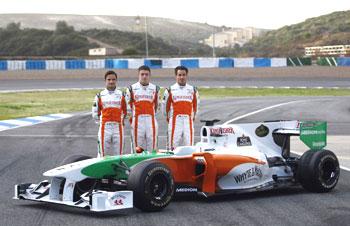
131,43
168,29
66,41
331,29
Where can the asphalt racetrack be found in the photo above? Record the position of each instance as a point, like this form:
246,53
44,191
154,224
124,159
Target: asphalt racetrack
308,76
29,151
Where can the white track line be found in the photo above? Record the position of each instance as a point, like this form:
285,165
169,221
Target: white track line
271,107
263,109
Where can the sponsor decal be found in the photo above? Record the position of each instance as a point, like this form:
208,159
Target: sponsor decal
111,102
221,131
262,131
313,132
319,144
143,97
253,173
182,97
117,200
243,141
186,189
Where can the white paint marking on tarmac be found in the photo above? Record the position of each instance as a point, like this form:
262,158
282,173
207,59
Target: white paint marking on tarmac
17,122
263,109
30,121
41,118
86,113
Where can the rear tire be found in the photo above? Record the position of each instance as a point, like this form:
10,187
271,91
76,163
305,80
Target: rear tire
318,171
152,184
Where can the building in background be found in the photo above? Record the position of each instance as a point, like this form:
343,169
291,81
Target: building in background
335,50
103,52
229,38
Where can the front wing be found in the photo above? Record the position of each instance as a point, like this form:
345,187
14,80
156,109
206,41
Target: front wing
96,200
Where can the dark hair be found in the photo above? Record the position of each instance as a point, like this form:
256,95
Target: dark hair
110,73
178,68
145,68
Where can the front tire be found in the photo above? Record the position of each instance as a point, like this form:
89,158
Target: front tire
318,171
152,184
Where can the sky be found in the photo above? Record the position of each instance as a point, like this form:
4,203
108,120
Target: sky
270,14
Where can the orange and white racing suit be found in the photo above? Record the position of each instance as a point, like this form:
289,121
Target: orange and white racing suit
109,110
180,105
143,105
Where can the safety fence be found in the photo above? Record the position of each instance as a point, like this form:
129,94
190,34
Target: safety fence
76,64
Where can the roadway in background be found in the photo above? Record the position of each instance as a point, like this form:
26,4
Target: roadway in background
307,76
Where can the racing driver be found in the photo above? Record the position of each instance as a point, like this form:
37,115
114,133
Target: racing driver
109,110
142,99
180,105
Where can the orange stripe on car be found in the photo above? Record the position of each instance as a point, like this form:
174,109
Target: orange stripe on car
216,166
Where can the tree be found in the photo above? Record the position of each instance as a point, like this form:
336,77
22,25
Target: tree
62,28
13,26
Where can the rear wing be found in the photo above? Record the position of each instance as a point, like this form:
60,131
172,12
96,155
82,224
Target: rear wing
291,132
312,133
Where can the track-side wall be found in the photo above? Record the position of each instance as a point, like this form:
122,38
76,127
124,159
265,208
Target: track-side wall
74,64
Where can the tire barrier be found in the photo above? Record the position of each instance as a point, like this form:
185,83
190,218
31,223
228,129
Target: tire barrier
262,62
243,62
327,61
75,64
3,65
299,61
154,64
190,63
78,64
35,65
116,64
226,63
343,61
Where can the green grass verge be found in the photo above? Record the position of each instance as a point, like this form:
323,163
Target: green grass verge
18,105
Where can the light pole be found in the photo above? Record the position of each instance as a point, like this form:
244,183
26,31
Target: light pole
138,21
214,42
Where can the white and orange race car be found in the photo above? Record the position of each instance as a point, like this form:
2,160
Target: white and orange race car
230,158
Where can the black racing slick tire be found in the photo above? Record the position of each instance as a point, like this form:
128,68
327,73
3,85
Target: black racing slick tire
82,186
152,184
318,171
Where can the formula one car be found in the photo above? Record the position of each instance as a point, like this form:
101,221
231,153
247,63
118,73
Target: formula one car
230,158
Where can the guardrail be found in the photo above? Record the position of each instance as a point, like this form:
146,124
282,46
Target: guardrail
157,63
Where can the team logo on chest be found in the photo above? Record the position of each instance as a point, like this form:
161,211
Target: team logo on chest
144,96
182,97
